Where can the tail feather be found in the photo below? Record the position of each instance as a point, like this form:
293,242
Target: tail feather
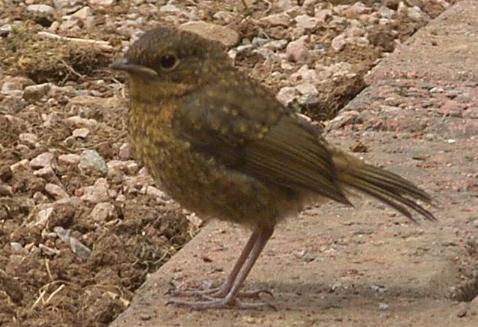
385,186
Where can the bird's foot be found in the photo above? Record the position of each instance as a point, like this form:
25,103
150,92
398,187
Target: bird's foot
210,293
220,303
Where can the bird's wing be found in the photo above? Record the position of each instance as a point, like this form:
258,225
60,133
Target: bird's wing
248,130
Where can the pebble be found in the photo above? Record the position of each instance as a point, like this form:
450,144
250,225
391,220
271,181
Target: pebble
102,3
29,138
41,9
339,42
308,93
16,248
83,14
102,211
306,22
227,36
42,160
45,173
79,248
44,213
81,122
356,10
34,93
5,30
297,51
96,193
169,8
81,133
124,151
155,192
286,95
280,19
415,13
14,85
57,192
69,159
20,166
91,161
383,306
5,190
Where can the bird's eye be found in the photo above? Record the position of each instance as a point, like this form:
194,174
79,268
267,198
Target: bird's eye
168,62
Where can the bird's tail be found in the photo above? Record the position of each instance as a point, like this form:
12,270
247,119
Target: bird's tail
387,187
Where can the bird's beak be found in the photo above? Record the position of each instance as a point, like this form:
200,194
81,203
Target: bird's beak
123,65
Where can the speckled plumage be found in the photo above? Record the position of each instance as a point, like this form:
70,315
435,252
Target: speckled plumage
221,145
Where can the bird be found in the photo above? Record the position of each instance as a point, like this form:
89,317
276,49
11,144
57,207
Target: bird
220,144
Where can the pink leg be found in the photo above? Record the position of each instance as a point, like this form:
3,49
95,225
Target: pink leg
224,288
229,299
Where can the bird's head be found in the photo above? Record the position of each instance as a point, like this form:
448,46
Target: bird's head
171,60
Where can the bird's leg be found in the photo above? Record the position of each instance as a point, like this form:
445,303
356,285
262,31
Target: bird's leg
229,299
224,288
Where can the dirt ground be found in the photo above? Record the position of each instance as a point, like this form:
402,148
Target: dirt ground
78,235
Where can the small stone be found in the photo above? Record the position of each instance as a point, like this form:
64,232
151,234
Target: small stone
79,248
306,22
323,16
286,95
20,166
102,3
42,160
6,190
383,306
63,234
356,10
41,218
415,13
475,223
83,14
338,42
169,8
16,248
280,19
437,89
275,45
91,161
103,211
69,159
14,85
45,173
28,138
225,35
5,30
155,192
57,192
386,12
81,122
96,193
124,151
41,9
34,93
81,133
297,50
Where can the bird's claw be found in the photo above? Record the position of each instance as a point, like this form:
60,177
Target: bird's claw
221,303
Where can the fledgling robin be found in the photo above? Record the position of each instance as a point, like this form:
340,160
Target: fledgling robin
221,145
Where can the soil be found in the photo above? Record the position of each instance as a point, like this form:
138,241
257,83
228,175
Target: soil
44,280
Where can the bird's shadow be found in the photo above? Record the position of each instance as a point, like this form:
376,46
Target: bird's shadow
316,295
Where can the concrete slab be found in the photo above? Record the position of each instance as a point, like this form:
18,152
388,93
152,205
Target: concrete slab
336,266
